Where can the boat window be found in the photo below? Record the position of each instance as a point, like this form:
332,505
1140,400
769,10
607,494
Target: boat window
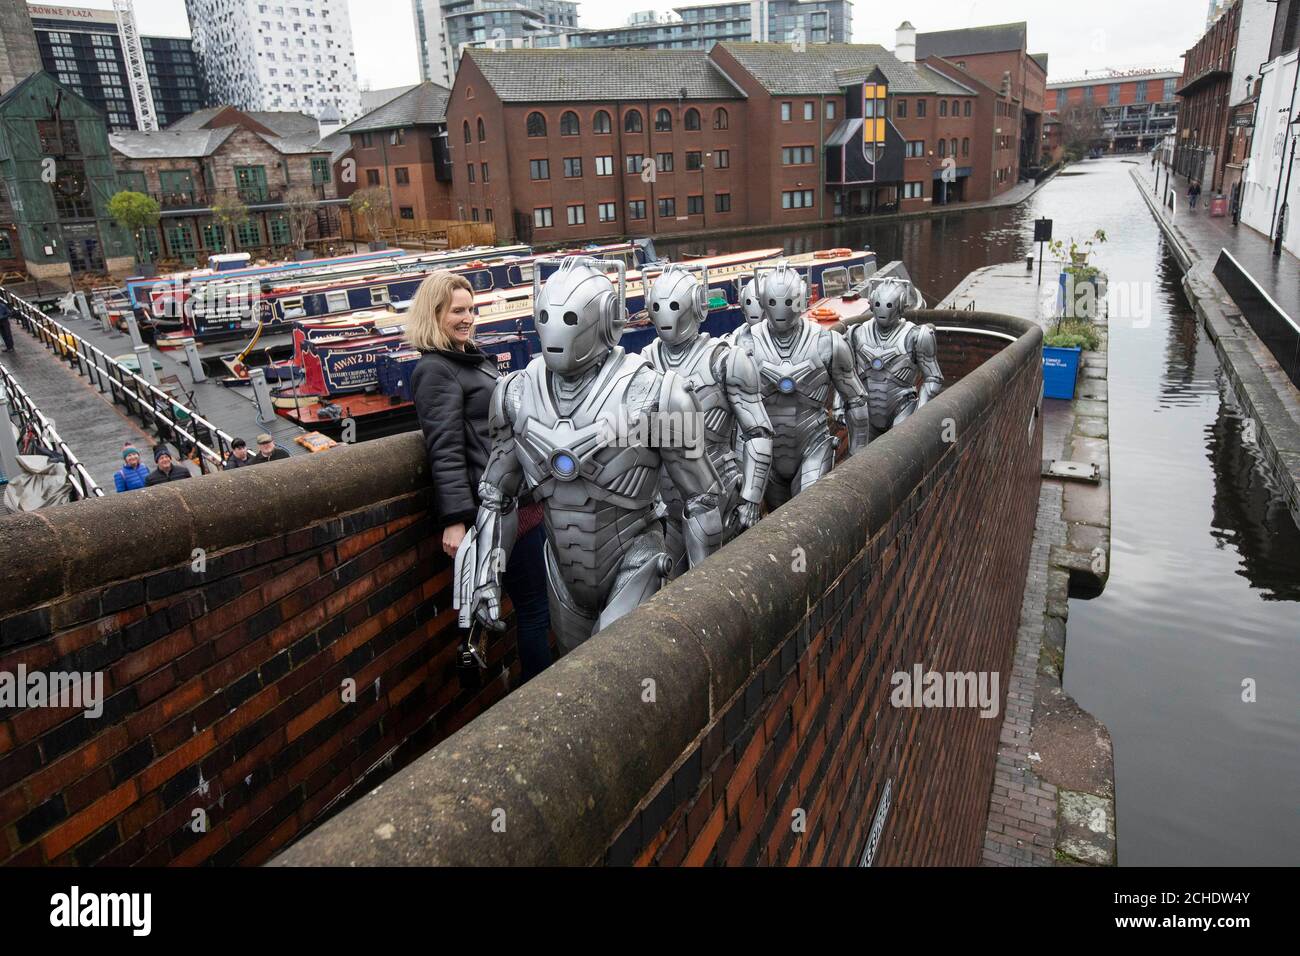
857,274
480,279
292,308
379,295
835,281
336,301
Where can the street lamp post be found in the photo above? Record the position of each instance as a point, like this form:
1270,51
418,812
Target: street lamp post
1286,190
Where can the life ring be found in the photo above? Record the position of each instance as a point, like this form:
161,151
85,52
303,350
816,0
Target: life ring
823,312
476,264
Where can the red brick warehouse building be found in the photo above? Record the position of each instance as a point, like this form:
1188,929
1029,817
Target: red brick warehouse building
1202,141
555,145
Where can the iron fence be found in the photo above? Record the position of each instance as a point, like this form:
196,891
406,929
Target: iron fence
30,416
171,420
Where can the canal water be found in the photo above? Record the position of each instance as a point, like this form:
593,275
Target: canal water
1204,590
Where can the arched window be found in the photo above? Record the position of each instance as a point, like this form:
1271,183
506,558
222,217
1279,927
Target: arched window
482,132
536,124
569,125
943,107
467,139
720,118
600,122
692,119
965,147
943,144
952,146
632,122
663,121
955,107
966,110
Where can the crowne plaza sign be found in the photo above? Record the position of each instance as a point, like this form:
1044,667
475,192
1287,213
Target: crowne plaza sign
71,13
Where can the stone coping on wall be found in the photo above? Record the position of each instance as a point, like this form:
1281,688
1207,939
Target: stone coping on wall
573,752
72,548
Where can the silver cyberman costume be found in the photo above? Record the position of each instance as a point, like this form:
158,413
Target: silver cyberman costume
727,386
749,308
800,363
890,353
579,426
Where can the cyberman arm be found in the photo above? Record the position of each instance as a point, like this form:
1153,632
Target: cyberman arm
694,475
745,393
845,379
481,559
927,358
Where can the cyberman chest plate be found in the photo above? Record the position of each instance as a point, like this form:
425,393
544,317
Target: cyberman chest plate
603,449
796,372
696,367
886,358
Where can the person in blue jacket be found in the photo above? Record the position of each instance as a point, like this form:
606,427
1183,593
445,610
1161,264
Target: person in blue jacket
132,475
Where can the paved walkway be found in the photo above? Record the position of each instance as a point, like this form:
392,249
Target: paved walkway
1204,235
93,427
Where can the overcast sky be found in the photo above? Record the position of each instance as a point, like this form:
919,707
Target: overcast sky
1077,36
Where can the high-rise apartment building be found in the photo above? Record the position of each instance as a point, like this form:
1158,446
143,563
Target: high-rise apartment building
81,48
277,54
699,27
444,27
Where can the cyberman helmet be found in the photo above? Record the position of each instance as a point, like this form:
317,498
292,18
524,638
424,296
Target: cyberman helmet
749,303
579,315
888,300
677,303
784,296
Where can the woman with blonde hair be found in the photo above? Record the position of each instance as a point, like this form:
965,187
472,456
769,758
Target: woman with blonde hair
452,387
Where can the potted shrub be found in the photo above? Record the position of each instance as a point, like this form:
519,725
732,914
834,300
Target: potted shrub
1062,349
300,205
371,206
1082,284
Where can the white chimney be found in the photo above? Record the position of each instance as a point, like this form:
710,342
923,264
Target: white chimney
905,43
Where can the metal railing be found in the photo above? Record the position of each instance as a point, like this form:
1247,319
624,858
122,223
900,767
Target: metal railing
171,420
83,485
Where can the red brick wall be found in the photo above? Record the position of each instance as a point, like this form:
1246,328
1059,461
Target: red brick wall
223,689
813,728
423,193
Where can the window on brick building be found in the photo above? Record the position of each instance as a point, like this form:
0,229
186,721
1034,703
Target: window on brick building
536,124
694,160
920,108
691,120
572,167
484,169
605,212
786,113
372,177
636,209
664,162
467,136
797,199
470,168
663,121
542,217
809,109
634,162
482,130
667,208
965,147
966,109
632,122
900,110
722,159
577,215
913,190
722,202
943,107
569,125
600,122
720,118
401,176
539,169
830,109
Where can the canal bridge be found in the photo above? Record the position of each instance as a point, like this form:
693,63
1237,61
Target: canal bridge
284,639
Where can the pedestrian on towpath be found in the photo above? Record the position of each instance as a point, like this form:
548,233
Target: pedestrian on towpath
6,333
452,386
239,456
1193,193
132,474
268,450
168,469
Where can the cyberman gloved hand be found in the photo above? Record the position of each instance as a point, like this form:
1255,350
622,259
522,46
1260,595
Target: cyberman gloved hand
890,353
800,363
569,425
727,386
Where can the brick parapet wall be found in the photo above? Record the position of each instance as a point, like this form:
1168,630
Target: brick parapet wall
693,729
223,689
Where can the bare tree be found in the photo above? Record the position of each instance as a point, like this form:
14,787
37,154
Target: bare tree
300,209
1080,131
372,206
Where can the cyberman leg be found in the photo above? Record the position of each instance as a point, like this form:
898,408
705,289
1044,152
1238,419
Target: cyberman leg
818,457
779,490
644,569
571,623
904,412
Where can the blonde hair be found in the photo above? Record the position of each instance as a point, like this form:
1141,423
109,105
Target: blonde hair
432,301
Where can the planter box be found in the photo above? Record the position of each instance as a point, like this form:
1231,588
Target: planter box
1081,298
1060,370
301,255
377,246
